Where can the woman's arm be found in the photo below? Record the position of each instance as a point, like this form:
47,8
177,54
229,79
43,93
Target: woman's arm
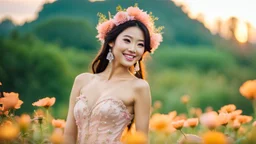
142,106
70,132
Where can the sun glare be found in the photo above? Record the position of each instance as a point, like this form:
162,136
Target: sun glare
241,32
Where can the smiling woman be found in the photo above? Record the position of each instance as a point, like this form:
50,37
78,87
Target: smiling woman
103,103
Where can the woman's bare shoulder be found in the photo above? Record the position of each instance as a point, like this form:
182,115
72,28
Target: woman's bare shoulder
80,78
140,84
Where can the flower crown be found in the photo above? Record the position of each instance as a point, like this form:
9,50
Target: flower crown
131,13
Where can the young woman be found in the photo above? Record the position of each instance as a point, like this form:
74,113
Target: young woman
103,103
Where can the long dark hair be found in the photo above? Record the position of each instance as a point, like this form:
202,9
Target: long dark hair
100,62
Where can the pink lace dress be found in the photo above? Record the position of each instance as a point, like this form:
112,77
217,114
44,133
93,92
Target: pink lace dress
104,123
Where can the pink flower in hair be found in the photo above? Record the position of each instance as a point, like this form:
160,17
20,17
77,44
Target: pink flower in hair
104,28
155,40
133,11
144,18
122,17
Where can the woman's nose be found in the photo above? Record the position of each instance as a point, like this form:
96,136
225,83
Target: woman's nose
132,48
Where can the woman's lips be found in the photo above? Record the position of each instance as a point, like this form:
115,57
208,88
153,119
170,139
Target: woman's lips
129,57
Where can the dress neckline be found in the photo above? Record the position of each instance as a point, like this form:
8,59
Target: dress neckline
98,101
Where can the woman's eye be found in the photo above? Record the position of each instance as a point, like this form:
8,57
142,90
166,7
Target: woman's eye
141,45
127,40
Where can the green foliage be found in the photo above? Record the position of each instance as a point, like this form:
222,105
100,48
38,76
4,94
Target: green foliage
68,32
36,70
211,77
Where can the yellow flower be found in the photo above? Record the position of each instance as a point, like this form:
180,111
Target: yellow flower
8,131
24,122
160,122
248,89
57,136
212,137
136,138
45,102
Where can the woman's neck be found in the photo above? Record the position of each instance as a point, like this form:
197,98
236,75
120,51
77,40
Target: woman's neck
114,71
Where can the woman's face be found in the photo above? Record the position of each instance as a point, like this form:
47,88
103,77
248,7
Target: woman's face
129,46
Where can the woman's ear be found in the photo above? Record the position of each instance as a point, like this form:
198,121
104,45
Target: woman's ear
111,44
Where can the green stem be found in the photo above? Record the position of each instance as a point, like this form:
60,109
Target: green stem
183,133
254,107
41,130
189,115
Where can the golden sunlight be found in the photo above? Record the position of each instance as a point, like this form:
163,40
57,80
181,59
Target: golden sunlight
241,32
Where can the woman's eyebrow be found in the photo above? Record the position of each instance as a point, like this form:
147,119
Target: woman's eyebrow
132,37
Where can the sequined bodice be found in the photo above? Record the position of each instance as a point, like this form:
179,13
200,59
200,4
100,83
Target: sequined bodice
103,123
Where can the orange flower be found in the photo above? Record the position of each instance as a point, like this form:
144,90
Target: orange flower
208,109
185,99
157,104
234,114
8,131
10,101
178,124
181,116
248,89
2,110
136,138
210,120
236,125
58,123
0,83
224,118
228,108
172,114
57,136
192,122
161,122
24,122
45,102
195,112
213,137
244,119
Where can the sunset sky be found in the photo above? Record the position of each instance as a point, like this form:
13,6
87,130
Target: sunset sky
23,10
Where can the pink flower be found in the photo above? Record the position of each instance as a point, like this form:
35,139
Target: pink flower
122,17
133,11
155,40
210,120
144,18
104,28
